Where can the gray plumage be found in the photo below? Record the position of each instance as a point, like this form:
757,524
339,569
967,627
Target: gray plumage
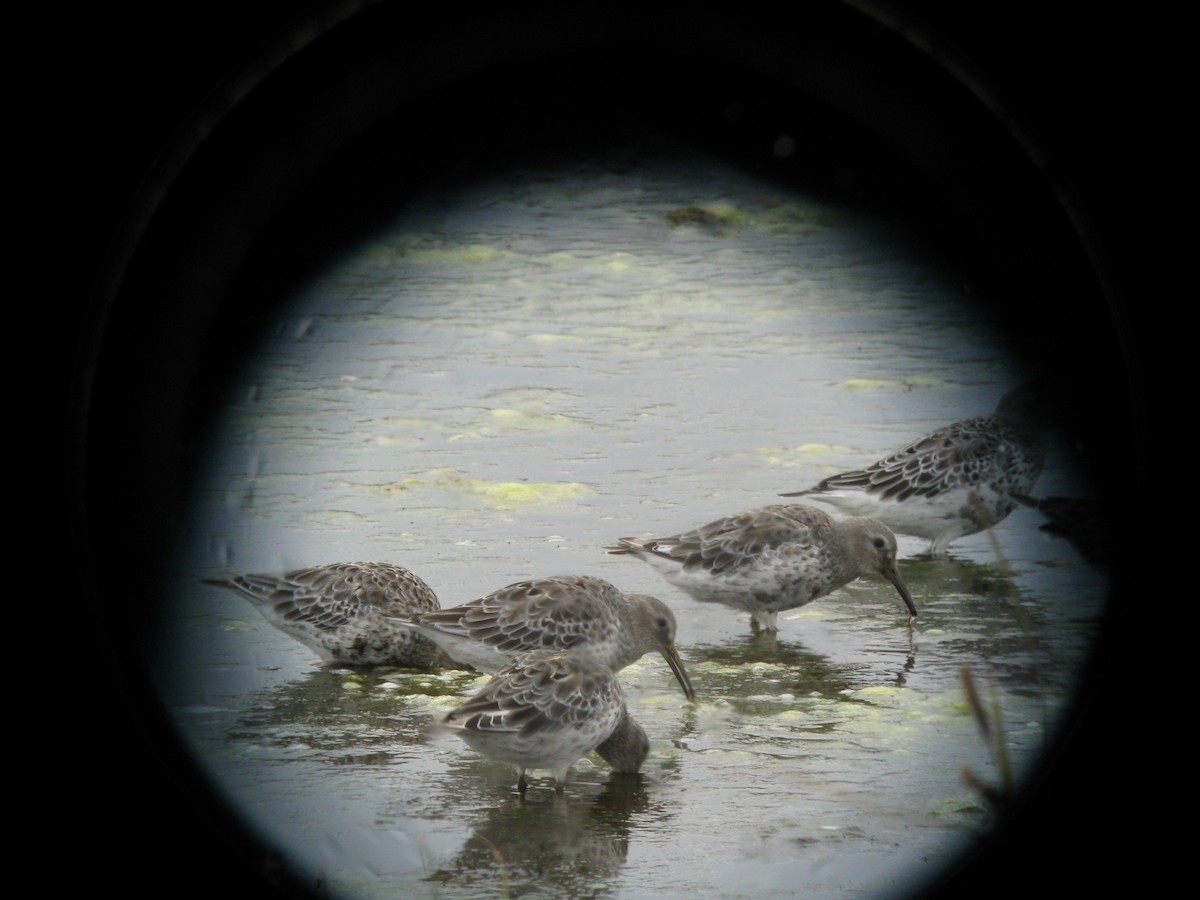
559,612
772,559
953,482
547,709
346,612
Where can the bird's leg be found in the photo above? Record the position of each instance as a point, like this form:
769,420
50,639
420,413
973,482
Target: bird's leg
763,622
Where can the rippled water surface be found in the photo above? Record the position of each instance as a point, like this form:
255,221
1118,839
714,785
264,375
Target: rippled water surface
497,387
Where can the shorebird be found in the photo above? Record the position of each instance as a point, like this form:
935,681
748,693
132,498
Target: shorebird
952,482
559,612
772,559
547,709
346,611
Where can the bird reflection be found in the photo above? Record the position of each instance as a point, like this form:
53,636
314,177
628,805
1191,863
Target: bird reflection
761,647
936,578
910,662
340,710
1085,523
760,665
558,846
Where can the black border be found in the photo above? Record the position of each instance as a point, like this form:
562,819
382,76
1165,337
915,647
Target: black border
136,75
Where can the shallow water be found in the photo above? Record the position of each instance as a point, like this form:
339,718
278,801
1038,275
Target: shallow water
500,385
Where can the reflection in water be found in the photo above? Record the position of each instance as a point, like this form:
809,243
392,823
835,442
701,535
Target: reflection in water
809,672
335,713
1085,522
557,846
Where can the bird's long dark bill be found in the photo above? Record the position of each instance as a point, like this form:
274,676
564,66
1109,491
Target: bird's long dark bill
671,655
893,575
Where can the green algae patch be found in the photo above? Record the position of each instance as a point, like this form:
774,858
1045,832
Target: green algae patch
790,218
499,494
920,381
721,218
419,249
819,449
507,420
874,384
780,219
882,695
868,384
812,611
469,253
716,214
955,807
504,494
621,261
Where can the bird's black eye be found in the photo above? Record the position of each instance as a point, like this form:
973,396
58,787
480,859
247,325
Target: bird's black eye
662,623
879,543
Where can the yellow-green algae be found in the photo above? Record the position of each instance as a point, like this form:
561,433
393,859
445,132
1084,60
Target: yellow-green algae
872,384
717,214
468,253
532,420
500,494
788,217
875,712
621,261
791,457
783,218
868,384
815,449
506,420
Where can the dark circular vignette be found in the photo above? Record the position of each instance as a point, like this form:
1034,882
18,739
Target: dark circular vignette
146,79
